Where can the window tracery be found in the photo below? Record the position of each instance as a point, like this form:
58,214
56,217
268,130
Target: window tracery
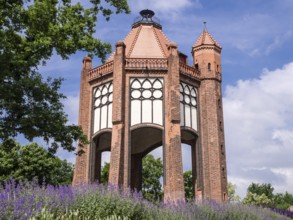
103,98
146,100
188,105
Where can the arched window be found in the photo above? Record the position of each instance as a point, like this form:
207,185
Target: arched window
209,66
146,100
188,106
103,97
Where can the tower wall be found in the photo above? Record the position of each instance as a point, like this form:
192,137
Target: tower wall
149,110
117,175
173,182
214,176
81,173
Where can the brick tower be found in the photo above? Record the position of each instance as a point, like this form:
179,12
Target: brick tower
145,96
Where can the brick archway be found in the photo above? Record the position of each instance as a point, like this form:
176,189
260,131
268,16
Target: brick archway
101,143
144,139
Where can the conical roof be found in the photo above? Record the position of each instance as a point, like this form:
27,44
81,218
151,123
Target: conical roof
145,40
206,39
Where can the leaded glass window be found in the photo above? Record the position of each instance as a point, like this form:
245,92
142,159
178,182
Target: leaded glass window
188,105
103,98
146,100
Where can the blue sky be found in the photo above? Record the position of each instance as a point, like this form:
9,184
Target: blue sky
257,64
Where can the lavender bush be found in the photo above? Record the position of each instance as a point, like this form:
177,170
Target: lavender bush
28,200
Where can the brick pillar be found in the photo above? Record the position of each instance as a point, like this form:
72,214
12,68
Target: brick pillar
136,172
212,137
97,166
117,170
81,165
194,166
173,172
211,133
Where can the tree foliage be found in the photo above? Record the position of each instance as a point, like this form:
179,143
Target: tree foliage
263,194
259,194
283,201
32,161
105,173
232,192
259,189
30,32
152,171
188,185
255,199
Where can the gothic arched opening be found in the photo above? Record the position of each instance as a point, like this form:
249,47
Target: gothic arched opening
101,150
190,161
143,140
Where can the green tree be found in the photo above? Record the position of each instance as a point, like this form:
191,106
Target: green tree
263,194
232,192
31,31
152,171
105,173
283,201
259,194
32,161
259,189
255,199
8,159
188,185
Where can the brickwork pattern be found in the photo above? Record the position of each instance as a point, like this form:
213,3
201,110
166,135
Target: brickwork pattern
81,164
173,171
208,148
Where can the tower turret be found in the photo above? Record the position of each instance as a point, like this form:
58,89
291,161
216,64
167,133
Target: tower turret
206,54
207,59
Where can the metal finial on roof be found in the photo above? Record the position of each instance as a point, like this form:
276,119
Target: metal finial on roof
147,14
205,26
147,17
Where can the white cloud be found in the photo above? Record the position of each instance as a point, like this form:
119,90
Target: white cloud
259,131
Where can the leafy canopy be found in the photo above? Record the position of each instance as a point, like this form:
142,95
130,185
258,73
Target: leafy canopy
30,32
232,193
263,194
152,171
32,161
188,185
105,173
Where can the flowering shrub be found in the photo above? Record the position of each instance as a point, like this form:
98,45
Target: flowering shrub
28,200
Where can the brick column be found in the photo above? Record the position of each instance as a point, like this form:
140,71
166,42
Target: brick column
117,170
136,172
97,166
173,172
81,165
211,135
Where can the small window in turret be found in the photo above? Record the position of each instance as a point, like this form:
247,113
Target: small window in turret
196,66
209,67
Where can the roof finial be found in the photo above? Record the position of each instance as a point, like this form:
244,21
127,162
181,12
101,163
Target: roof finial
205,26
